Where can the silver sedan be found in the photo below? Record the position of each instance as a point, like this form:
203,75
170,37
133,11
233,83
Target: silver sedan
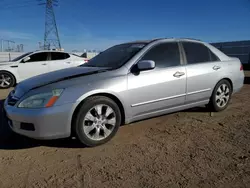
125,83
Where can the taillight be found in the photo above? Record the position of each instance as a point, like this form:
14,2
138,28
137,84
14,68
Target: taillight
241,67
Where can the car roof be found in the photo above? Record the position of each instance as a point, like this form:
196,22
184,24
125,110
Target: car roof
161,39
38,51
49,51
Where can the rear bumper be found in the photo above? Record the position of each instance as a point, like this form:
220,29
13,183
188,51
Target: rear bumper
46,123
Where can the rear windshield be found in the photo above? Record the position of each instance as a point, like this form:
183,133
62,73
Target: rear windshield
115,56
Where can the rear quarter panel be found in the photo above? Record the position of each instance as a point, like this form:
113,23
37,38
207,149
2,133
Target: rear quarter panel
233,72
230,68
76,60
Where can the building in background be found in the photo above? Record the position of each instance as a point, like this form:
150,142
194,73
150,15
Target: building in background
10,46
240,49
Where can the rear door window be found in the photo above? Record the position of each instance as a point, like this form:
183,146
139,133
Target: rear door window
198,53
59,56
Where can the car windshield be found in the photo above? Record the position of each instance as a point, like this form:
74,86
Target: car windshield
115,56
21,56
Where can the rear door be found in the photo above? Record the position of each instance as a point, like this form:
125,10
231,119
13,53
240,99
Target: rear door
37,64
59,60
203,71
161,88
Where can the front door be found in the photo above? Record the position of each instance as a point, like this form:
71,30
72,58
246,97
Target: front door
164,87
36,65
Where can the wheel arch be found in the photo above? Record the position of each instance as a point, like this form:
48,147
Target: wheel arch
228,79
212,102
9,72
225,78
104,94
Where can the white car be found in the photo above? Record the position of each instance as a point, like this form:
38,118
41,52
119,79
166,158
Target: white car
35,63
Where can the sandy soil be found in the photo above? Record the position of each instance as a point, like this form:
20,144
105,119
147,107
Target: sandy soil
186,149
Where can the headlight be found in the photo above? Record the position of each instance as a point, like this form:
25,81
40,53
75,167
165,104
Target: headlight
41,100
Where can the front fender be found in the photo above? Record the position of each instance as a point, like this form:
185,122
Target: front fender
11,70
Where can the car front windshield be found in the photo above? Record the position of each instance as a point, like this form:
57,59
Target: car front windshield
21,56
115,56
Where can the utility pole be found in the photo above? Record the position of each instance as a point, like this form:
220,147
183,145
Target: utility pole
51,36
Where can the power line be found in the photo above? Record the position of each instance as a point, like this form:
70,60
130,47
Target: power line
24,3
19,3
21,6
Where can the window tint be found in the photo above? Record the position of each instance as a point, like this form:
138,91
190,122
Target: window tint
198,53
213,57
84,55
38,57
164,55
59,56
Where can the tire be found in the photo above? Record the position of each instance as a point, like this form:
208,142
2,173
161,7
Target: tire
97,121
7,80
221,96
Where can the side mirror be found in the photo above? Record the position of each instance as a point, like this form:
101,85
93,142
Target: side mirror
146,65
25,59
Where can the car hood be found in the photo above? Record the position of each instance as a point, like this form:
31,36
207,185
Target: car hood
53,77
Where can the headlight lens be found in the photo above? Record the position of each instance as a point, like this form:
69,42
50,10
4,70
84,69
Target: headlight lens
41,100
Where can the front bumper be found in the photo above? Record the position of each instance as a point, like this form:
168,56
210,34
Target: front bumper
47,123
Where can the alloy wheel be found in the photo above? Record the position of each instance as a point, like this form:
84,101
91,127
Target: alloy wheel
5,80
99,122
222,95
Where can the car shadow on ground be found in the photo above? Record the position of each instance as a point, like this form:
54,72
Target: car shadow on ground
201,109
12,141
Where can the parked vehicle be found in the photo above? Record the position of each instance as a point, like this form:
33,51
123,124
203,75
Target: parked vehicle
35,63
125,83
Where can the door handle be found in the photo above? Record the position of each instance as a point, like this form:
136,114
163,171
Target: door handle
44,63
216,67
68,62
179,74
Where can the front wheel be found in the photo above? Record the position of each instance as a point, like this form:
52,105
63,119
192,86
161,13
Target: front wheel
7,80
97,121
221,96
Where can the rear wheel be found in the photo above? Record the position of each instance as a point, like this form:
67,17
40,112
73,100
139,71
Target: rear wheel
7,80
98,120
221,96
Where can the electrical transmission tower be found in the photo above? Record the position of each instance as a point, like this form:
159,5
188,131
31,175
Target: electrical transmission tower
51,37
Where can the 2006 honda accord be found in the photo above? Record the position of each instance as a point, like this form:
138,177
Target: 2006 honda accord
125,83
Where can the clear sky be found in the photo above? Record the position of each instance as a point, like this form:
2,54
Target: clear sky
97,24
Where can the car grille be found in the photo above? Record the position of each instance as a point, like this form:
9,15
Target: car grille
12,100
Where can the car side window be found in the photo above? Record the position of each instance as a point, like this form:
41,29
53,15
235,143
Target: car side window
42,56
164,55
198,53
59,56
213,57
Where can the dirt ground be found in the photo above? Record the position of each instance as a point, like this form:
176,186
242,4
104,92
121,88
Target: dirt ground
186,149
